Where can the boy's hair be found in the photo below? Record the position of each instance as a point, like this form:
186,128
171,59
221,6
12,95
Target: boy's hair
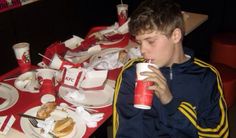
156,15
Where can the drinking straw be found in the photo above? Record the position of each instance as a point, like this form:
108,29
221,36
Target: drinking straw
149,61
44,56
8,79
121,1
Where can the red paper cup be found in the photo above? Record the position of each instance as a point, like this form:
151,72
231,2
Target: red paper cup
46,78
47,87
122,12
142,96
22,54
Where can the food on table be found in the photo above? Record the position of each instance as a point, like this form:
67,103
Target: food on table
46,109
63,127
123,56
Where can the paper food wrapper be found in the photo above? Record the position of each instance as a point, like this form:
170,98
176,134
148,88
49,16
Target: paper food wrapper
94,79
73,42
6,123
73,77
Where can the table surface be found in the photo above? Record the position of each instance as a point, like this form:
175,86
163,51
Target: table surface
192,21
14,133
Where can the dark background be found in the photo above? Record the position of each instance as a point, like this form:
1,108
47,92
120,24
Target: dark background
47,21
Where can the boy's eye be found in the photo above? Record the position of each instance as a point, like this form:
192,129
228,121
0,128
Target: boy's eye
151,41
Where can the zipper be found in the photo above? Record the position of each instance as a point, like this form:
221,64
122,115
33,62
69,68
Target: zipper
171,74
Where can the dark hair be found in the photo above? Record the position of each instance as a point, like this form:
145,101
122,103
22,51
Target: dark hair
160,15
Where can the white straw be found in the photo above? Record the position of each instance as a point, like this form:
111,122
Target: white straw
121,1
14,78
44,57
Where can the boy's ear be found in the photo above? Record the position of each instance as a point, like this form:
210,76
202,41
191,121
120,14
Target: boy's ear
176,35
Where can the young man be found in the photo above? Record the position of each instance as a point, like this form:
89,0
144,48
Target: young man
188,100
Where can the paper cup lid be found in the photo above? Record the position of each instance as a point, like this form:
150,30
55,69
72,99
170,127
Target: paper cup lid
47,98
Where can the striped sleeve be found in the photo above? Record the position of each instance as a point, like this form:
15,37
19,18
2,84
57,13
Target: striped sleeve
117,88
221,130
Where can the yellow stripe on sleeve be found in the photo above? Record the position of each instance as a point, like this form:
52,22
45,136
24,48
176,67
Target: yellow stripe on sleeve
117,88
187,109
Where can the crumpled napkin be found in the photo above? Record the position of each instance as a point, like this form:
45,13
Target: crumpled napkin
134,52
94,79
107,62
47,125
90,119
75,95
73,42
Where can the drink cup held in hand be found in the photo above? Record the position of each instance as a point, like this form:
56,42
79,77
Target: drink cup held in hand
22,53
122,12
142,96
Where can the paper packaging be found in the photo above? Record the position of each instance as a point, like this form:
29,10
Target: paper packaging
60,64
94,79
5,123
122,12
142,96
72,77
73,42
22,54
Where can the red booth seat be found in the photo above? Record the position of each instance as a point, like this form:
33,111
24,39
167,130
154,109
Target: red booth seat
223,57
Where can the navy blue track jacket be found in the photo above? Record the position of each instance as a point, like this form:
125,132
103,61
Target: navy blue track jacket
198,108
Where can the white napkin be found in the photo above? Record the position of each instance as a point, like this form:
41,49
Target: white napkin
27,81
134,52
47,125
107,62
73,42
90,119
81,56
94,78
75,95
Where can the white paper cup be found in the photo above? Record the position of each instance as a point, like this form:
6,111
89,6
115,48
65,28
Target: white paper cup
22,54
142,96
48,74
122,12
141,67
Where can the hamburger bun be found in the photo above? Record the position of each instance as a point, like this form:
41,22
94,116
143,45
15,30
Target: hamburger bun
63,127
46,109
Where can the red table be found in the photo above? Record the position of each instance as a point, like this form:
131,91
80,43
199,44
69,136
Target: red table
29,100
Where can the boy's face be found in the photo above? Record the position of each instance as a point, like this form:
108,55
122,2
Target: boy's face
157,47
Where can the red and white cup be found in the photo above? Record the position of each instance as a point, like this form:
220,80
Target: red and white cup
142,96
122,12
22,53
46,78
